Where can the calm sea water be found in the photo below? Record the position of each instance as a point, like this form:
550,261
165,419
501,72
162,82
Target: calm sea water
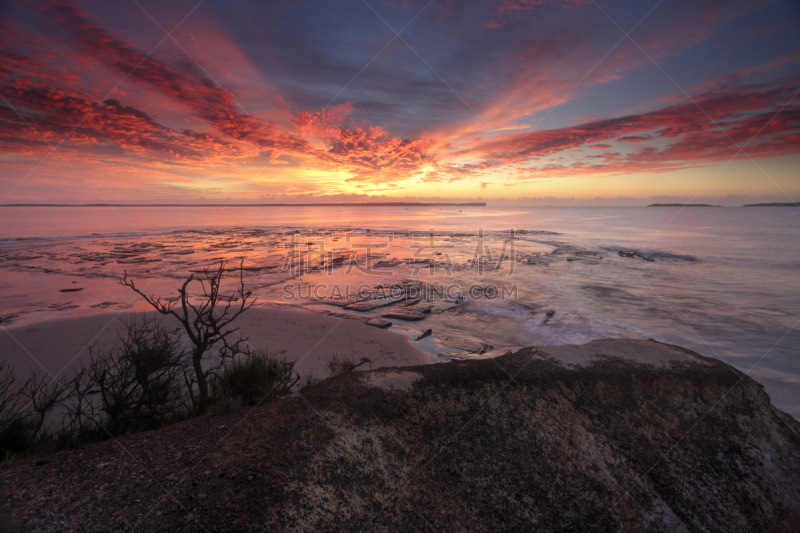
723,281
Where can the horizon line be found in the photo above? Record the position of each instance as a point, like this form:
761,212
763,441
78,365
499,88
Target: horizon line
392,204
334,204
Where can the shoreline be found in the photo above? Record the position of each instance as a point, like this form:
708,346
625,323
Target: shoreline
305,336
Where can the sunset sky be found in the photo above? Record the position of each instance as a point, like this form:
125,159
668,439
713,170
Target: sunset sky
290,101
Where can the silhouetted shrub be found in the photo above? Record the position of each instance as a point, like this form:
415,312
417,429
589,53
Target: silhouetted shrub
254,378
27,412
139,382
147,380
342,364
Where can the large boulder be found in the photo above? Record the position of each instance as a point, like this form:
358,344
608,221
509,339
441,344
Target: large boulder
616,435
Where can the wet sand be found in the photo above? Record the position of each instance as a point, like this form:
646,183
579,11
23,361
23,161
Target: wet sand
308,338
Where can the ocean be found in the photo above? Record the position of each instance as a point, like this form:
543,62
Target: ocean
721,281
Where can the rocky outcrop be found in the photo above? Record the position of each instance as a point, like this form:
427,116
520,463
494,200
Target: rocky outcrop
615,435
633,253
467,345
415,311
369,305
425,334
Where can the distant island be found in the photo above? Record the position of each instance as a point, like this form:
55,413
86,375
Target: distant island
334,204
773,204
683,205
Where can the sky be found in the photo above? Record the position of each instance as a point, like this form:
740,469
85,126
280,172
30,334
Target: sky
592,102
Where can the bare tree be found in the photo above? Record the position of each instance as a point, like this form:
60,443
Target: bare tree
44,395
207,324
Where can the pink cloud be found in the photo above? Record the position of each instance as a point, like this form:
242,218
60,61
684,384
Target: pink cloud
695,131
368,151
209,102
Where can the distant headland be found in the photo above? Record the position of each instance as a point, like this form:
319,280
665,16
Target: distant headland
334,204
683,205
773,204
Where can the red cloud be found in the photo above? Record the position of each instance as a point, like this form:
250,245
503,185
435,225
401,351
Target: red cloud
209,102
367,151
696,131
677,136
49,115
9,58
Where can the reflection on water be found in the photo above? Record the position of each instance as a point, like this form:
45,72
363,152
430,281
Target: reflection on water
721,281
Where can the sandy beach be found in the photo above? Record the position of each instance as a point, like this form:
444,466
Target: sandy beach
307,337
